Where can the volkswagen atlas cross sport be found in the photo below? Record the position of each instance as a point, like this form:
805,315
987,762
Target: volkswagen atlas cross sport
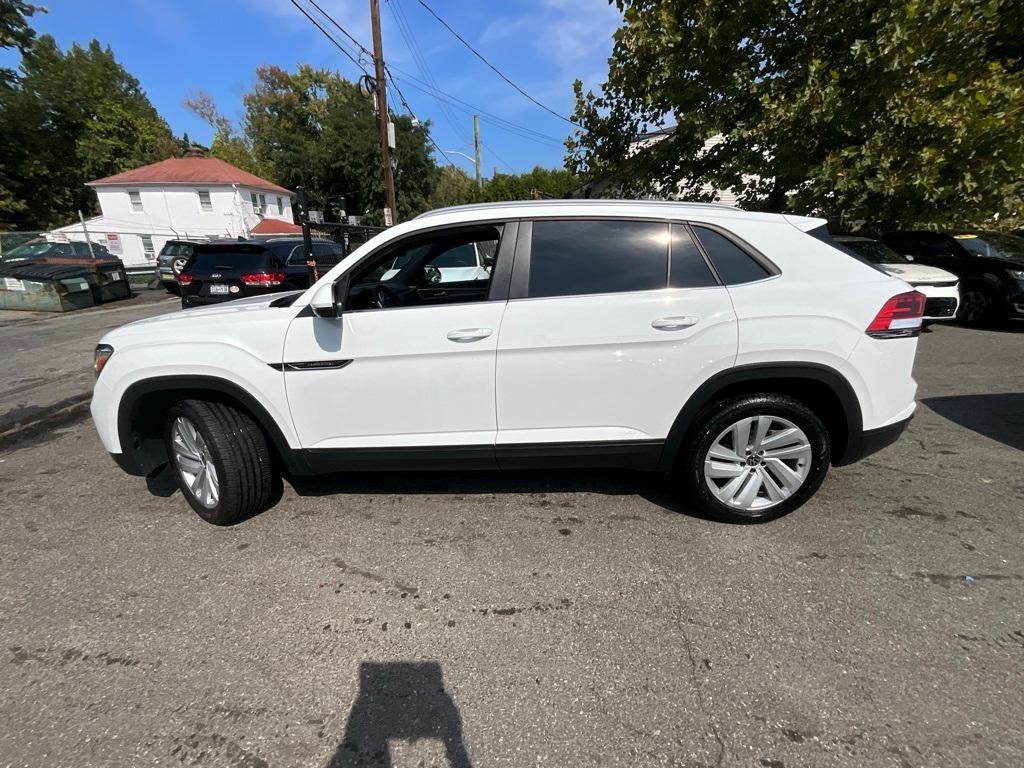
739,353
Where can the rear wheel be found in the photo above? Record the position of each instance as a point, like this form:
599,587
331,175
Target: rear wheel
754,458
221,461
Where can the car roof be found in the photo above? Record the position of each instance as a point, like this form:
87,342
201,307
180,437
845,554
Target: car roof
526,207
853,239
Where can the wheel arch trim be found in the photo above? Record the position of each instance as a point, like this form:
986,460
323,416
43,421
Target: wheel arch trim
812,372
195,385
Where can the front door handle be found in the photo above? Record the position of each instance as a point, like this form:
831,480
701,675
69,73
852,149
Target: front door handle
674,323
465,335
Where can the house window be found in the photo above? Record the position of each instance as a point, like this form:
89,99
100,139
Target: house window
259,203
205,203
280,205
135,198
147,246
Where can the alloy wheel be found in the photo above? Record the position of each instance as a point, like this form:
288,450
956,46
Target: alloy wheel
974,305
178,264
194,462
757,462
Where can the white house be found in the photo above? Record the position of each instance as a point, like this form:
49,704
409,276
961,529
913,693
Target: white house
191,198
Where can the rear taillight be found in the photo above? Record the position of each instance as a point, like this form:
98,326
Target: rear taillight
900,316
184,278
263,278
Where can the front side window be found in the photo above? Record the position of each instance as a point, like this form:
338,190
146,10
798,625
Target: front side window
994,245
205,203
135,200
574,258
147,246
734,265
439,268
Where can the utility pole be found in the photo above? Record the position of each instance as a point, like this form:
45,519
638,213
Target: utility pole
476,150
383,116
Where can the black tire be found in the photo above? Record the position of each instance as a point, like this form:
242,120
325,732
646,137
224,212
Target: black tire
248,483
688,474
977,304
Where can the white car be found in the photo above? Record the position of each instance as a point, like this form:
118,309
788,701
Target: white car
940,288
735,351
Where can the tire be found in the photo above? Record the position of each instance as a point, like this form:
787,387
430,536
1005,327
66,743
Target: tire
977,305
243,480
805,453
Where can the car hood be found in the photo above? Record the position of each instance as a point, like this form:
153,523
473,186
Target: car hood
919,273
203,319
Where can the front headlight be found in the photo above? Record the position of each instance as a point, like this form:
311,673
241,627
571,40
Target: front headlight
100,357
1017,273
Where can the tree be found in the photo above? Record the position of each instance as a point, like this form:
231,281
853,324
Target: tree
15,31
316,129
227,144
69,118
904,113
454,187
538,183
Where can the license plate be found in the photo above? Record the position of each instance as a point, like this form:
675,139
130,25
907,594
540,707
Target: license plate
218,288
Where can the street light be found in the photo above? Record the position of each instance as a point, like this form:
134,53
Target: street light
463,154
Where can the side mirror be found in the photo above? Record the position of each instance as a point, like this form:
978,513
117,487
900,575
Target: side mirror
908,256
329,299
431,274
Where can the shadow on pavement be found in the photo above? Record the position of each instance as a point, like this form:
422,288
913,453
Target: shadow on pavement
997,416
400,700
610,482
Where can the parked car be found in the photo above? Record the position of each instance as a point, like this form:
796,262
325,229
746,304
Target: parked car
942,294
227,270
734,351
990,266
171,260
38,250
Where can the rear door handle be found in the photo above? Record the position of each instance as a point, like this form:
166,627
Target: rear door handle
673,323
465,335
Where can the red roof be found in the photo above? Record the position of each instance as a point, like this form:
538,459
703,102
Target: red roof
190,170
276,227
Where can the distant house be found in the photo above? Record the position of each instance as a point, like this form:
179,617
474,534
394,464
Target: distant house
199,198
605,187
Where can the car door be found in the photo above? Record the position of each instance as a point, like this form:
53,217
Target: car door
409,363
610,325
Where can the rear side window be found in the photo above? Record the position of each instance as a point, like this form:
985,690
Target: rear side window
734,265
573,258
687,268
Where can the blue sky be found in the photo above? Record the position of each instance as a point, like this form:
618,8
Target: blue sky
178,47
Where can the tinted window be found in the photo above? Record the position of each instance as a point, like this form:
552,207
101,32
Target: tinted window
570,258
220,258
687,267
734,265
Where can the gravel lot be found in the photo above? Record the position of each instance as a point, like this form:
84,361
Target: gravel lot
557,619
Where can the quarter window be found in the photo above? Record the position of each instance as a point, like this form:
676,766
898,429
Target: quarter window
734,265
572,258
135,199
687,268
205,203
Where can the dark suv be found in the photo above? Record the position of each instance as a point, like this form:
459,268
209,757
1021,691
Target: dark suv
990,266
171,260
229,270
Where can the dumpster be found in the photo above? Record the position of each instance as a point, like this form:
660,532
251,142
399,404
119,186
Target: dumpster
45,287
107,277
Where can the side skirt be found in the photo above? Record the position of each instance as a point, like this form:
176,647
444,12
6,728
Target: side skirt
633,454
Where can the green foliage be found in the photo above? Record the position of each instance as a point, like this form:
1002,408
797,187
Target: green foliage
69,118
314,128
455,187
901,113
15,31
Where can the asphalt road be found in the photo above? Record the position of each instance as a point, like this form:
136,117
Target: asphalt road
556,619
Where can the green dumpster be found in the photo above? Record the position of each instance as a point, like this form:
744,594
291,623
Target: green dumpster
107,277
45,287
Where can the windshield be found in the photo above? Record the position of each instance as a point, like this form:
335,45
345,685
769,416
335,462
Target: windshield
994,245
28,249
874,251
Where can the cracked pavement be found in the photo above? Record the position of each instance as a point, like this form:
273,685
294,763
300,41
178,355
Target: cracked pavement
542,618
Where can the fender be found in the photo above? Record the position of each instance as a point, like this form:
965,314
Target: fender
139,457
849,449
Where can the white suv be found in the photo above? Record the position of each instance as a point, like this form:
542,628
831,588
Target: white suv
739,352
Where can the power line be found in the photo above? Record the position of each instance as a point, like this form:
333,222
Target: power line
405,104
328,36
497,71
343,31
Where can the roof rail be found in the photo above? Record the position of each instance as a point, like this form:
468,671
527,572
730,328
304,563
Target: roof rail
573,203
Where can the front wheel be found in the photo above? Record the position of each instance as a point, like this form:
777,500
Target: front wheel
753,458
221,461
976,305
